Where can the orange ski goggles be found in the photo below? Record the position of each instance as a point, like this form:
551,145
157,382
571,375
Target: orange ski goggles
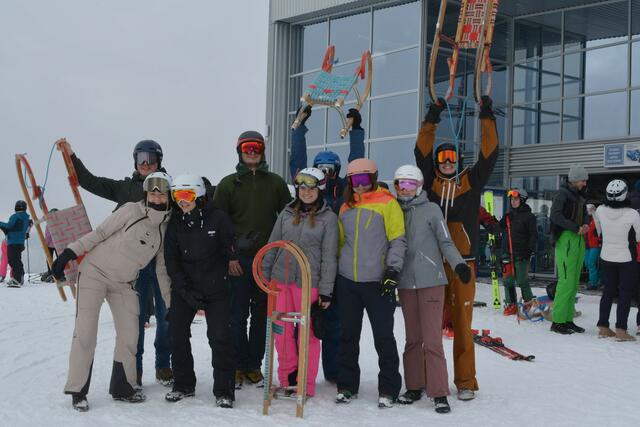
513,193
447,155
184,195
252,147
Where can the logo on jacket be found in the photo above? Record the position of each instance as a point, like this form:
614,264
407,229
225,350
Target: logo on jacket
211,233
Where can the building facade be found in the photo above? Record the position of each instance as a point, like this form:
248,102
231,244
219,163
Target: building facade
566,86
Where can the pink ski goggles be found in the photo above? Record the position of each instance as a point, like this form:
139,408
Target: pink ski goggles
406,184
360,180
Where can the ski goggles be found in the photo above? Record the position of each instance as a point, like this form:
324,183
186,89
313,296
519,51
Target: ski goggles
148,158
252,147
447,155
156,185
406,184
327,168
306,181
513,193
360,179
184,195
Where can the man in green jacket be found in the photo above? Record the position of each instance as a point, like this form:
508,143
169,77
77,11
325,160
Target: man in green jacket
252,197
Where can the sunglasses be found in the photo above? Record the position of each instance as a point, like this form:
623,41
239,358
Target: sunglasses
148,158
252,147
306,181
360,179
185,195
327,168
513,193
447,155
406,184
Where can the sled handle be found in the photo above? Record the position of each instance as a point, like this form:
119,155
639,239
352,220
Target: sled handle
365,69
329,55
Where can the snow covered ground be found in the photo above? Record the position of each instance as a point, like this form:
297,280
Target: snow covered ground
575,380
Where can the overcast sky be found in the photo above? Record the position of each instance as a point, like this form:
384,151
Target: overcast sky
107,74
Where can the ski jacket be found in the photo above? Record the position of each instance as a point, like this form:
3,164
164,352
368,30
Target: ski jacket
372,237
318,242
428,240
16,228
198,249
253,201
333,194
592,239
567,211
524,232
459,201
124,244
614,226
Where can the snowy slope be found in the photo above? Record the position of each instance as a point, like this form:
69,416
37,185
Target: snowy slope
575,380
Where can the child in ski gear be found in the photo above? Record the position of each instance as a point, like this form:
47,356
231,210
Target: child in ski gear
252,197
521,236
458,193
114,254
310,223
614,219
329,163
147,158
373,245
421,289
568,229
593,244
16,230
198,248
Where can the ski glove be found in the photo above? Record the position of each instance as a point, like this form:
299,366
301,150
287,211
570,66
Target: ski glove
57,269
486,108
357,118
464,272
325,298
389,282
191,299
307,111
435,109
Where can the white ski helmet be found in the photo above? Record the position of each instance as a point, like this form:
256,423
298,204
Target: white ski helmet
410,172
311,177
617,190
157,182
189,182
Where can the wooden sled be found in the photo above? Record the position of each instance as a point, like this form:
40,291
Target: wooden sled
331,90
475,31
302,319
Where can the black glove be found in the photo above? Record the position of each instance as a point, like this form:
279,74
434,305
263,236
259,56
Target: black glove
464,272
357,118
486,108
57,269
307,111
389,282
324,298
435,109
191,299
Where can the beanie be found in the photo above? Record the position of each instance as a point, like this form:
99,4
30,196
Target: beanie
577,173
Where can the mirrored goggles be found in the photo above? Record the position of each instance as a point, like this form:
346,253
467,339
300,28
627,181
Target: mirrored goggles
148,158
447,155
156,185
252,147
360,179
184,195
327,168
306,181
406,184
513,193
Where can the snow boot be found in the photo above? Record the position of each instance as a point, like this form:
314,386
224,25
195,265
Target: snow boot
178,395
345,396
240,377
13,283
510,310
466,394
575,328
442,405
622,335
224,402
164,376
254,377
605,332
1,279
409,397
79,402
137,397
385,401
561,328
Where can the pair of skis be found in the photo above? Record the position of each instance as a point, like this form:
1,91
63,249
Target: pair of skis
496,345
495,284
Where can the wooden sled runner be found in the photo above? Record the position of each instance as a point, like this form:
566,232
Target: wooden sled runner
302,319
331,90
475,31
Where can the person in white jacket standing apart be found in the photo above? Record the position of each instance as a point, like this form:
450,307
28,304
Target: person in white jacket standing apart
613,221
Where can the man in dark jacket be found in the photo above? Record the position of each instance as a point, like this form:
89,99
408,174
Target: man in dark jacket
147,158
16,231
252,197
518,246
568,228
329,163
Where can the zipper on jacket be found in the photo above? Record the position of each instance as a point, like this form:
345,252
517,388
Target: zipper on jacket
366,226
355,247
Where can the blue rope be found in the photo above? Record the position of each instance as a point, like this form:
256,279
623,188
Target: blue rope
456,133
46,177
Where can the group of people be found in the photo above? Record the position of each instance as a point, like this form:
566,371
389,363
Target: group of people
191,245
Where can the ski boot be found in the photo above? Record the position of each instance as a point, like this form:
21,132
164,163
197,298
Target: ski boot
224,402
345,396
79,402
178,395
385,401
164,376
442,405
409,397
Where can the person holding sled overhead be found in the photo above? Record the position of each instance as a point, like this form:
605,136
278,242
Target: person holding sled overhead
16,230
422,289
310,223
329,163
372,249
458,193
147,159
114,253
198,248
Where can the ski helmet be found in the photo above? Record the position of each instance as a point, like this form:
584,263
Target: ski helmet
310,177
410,172
188,182
21,205
617,190
327,158
159,182
516,192
147,146
358,166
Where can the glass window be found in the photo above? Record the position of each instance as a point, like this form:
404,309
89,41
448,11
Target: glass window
311,154
350,35
537,36
605,116
573,74
390,155
450,20
499,84
572,119
453,122
606,68
525,125
334,123
501,39
397,115
315,125
635,64
635,19
525,82
549,122
635,112
596,25
550,84
396,27
343,152
395,72
314,45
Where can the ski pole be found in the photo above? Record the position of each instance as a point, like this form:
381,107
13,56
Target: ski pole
28,263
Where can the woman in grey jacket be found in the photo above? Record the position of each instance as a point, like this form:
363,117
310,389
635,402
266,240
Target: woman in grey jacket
311,224
421,289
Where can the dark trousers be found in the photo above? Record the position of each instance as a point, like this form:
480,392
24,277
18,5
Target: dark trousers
247,299
14,256
331,341
617,278
217,314
355,297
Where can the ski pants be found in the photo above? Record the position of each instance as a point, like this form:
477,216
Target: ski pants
290,299
14,256
423,358
458,302
331,341
218,316
4,260
92,289
618,278
248,298
570,252
355,297
591,262
521,278
147,285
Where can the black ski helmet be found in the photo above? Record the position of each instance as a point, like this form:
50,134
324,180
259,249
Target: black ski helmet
444,146
147,146
21,205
